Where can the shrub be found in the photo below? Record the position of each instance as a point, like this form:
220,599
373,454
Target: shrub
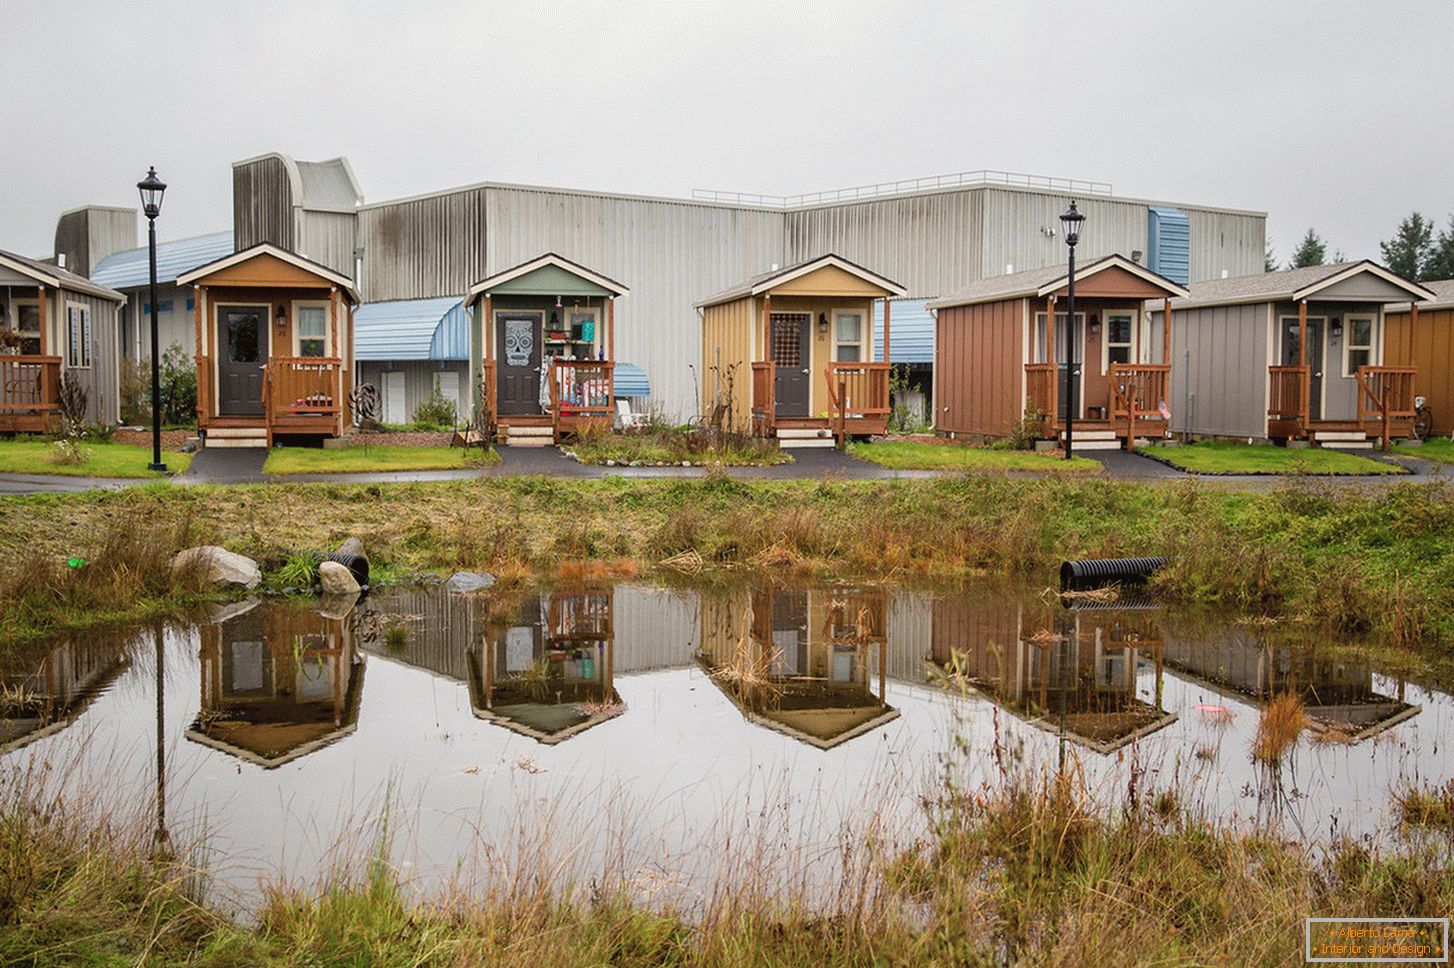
435,411
178,388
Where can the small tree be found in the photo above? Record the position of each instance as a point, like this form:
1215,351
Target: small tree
435,411
179,386
1439,262
1269,258
1407,253
1311,251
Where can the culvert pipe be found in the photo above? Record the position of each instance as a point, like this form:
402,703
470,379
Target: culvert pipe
1091,573
357,564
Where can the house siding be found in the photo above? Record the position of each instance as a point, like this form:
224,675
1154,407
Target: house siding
1430,350
979,367
1220,388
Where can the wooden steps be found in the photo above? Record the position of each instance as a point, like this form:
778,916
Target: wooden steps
237,437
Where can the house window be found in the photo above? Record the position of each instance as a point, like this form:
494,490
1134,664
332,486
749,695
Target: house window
1358,344
27,323
1118,338
78,336
848,337
312,331
1060,339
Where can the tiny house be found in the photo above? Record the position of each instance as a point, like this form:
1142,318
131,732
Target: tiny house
1292,355
1421,335
789,353
54,323
544,336
274,337
1000,365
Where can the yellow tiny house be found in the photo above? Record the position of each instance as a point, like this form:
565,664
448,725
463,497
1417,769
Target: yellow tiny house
789,353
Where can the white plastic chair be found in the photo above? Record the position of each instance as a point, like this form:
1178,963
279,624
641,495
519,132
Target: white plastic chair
625,418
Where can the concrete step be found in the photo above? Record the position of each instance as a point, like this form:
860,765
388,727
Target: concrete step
1345,444
528,431
800,443
258,443
1094,444
1326,436
802,433
1092,435
530,442
236,433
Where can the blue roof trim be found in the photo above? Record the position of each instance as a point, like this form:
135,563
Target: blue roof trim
913,331
132,269
403,329
631,381
1168,243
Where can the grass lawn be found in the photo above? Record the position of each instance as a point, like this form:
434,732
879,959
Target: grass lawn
909,456
102,460
360,460
1439,449
1227,457
673,445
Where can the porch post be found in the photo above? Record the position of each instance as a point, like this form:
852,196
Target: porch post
1166,332
1302,361
44,329
887,357
337,354
333,322
610,328
199,356
1053,417
766,326
769,406
1413,325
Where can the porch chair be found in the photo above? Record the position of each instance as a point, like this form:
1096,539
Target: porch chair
625,418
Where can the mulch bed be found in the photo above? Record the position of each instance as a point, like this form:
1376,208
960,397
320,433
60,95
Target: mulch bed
410,438
171,439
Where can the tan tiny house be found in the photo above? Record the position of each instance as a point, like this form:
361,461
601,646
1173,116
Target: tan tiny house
789,353
274,347
996,359
1421,335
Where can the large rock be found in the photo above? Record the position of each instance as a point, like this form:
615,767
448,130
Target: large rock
469,581
218,566
336,579
352,546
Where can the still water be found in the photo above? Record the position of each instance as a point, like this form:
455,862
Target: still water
670,738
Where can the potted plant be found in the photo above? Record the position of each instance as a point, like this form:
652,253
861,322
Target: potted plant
10,340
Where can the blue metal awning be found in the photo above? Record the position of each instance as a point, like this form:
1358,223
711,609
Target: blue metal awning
411,329
132,269
912,331
631,381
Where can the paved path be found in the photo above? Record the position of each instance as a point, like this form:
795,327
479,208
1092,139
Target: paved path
244,466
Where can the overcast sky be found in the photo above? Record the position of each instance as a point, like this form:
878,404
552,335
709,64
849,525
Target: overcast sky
1328,113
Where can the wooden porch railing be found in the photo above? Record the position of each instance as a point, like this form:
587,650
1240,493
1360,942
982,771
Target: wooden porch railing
30,387
1042,391
1386,394
581,391
303,394
1138,391
764,376
858,398
1288,397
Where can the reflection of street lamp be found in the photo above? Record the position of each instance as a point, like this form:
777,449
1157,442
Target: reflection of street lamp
152,188
1072,220
161,844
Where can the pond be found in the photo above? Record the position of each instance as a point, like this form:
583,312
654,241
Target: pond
673,737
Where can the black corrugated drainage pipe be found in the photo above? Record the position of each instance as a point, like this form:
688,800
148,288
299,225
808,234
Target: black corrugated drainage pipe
1091,573
357,564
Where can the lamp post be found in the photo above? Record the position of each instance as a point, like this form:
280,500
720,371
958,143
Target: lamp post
152,188
1072,220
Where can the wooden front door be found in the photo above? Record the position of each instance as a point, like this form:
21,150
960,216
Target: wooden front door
791,352
242,350
517,366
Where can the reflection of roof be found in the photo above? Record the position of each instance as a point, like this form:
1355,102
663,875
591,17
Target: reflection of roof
813,711
17,732
544,722
412,329
132,268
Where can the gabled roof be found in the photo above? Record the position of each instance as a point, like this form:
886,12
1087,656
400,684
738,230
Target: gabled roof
1290,285
267,248
131,269
540,262
56,277
1443,291
765,281
1049,279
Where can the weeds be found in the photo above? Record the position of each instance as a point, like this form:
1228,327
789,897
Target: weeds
1431,807
1282,721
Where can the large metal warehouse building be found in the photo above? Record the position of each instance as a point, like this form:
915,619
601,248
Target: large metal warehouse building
931,235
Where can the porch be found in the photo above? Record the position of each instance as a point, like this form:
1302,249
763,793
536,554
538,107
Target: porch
857,395
30,393
1384,407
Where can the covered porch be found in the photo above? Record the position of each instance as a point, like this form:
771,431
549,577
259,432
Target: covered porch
544,338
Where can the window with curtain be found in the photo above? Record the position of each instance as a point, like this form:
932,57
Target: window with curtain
312,331
849,337
78,336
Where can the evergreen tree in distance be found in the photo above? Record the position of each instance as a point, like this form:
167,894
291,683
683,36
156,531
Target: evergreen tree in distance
1269,258
1311,251
1440,261
1408,252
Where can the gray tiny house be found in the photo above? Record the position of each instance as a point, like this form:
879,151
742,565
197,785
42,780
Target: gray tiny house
1290,355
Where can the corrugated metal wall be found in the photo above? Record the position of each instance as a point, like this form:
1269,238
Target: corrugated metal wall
262,203
1225,241
328,238
432,246
88,235
1223,393
1169,244
980,367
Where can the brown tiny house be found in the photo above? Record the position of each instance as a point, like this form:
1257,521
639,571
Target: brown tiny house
997,360
789,353
274,347
544,337
1421,335
54,322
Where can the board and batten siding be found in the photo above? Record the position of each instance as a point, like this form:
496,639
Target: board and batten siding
101,378
979,368
1220,389
1430,351
727,352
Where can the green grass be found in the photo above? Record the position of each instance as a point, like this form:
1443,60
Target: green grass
389,457
1226,457
102,459
1440,449
910,456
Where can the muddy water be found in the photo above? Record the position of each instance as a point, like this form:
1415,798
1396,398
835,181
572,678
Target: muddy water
670,738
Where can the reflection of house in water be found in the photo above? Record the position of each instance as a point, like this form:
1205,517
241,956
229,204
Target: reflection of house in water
802,662
1338,695
55,690
278,682
1056,668
546,672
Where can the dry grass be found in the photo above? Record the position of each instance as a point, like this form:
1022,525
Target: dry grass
1282,721
1431,807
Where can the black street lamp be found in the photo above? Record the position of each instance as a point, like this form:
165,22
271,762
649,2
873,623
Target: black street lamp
1072,220
152,188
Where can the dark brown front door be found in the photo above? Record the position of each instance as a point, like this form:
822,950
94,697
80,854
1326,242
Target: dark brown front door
790,351
517,362
242,349
1315,359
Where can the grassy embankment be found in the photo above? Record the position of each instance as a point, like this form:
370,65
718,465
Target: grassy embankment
384,457
913,456
1440,449
1034,874
1226,457
102,459
1343,561
667,445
